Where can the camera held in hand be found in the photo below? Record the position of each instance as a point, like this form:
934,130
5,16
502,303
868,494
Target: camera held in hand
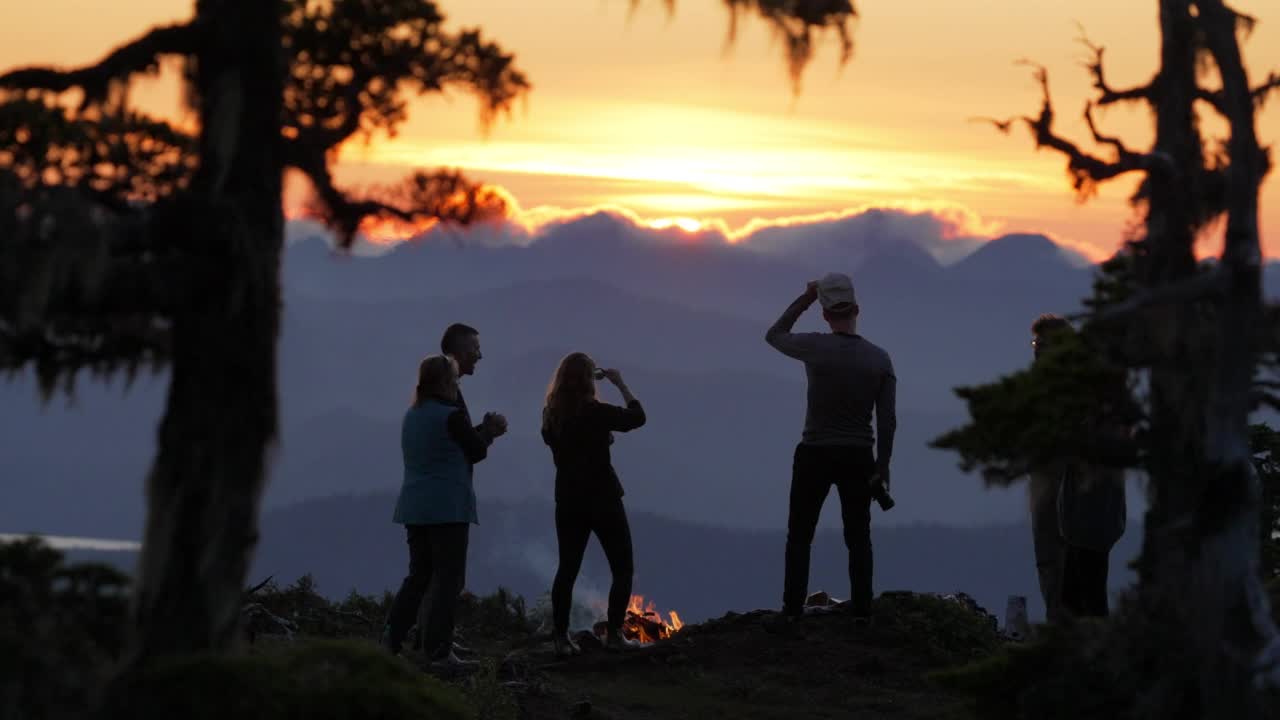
880,494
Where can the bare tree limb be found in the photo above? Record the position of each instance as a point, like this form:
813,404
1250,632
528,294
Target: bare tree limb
1086,170
1123,153
1261,92
141,55
259,586
1003,126
1106,94
1213,98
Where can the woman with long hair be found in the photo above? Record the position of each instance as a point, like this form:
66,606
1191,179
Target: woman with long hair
579,430
437,505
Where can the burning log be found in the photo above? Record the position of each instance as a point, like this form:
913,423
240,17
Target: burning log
644,623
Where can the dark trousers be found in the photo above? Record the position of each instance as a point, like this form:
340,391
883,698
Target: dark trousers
437,562
1046,536
1084,581
814,470
574,526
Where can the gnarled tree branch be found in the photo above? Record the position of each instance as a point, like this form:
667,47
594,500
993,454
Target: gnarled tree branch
422,199
1263,91
1106,94
1123,153
1086,170
141,55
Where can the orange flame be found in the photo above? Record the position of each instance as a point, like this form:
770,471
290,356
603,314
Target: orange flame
645,623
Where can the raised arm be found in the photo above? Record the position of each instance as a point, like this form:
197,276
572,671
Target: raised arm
474,441
779,334
620,419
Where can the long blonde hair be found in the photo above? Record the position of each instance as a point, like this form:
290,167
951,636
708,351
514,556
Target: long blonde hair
571,387
434,374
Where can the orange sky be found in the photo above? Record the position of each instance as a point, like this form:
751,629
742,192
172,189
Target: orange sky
653,114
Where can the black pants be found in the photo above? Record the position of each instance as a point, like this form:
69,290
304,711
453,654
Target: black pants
814,470
437,562
574,525
1084,582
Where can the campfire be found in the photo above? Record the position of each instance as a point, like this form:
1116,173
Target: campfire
645,624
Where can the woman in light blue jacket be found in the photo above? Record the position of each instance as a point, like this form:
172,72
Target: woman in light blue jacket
437,505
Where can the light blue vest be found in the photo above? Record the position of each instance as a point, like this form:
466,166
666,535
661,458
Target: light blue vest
437,477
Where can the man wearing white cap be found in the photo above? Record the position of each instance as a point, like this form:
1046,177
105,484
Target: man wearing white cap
849,378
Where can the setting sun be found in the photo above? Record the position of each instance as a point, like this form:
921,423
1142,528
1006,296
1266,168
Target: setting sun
686,224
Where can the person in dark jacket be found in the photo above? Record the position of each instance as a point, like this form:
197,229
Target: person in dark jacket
849,380
1044,484
579,430
437,505
1078,509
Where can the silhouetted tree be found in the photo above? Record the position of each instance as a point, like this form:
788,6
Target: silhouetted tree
129,241
1196,338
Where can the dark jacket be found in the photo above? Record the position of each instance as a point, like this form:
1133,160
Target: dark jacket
584,467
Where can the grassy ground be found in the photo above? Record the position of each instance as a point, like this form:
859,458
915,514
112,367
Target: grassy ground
307,656
748,666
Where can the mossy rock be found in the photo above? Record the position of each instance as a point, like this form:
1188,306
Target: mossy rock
315,680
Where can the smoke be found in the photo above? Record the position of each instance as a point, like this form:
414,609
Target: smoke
590,603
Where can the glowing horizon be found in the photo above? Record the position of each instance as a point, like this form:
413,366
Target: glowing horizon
655,116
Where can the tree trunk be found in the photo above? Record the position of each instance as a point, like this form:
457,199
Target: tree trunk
1199,565
204,488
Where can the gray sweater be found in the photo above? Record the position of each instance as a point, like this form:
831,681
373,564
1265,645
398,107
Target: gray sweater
849,377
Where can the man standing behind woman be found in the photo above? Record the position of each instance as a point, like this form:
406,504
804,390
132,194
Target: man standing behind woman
579,430
437,505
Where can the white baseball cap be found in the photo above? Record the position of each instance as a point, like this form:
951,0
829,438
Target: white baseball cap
835,292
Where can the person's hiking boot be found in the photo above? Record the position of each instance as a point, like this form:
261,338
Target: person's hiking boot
616,641
565,646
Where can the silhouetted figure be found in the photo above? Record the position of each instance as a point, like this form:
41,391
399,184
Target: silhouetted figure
437,505
848,378
1078,509
1043,487
579,430
462,343
1092,514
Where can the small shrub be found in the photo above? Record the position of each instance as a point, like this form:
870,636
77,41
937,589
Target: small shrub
61,628
943,630
317,679
487,694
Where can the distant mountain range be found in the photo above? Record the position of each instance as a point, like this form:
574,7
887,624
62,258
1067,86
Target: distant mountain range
348,543
684,320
